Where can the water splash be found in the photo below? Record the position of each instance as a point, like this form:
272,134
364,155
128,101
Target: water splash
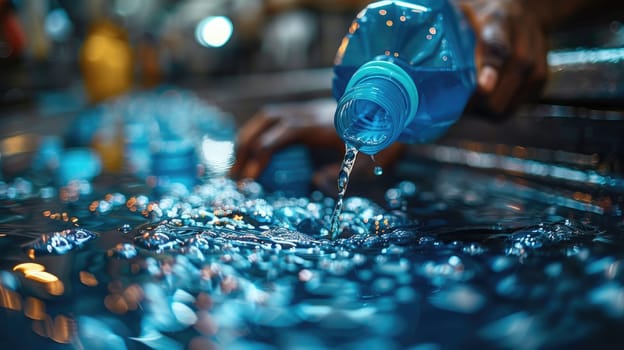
227,257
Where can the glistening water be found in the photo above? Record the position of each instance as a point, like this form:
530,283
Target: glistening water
451,260
343,181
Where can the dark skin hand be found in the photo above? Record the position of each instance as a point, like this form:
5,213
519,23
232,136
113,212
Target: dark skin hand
511,69
510,54
310,123
512,47
276,126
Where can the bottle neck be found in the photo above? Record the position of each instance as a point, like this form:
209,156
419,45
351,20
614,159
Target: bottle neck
379,101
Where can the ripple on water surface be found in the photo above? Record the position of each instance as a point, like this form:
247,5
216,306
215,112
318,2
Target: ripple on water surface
226,263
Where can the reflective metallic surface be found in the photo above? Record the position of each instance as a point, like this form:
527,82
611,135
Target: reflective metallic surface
586,75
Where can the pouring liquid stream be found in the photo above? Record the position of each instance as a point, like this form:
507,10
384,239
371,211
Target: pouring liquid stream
343,180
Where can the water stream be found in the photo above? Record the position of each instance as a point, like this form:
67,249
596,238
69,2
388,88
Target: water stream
343,181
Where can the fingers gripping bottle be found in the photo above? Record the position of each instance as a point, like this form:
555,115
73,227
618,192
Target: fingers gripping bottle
404,72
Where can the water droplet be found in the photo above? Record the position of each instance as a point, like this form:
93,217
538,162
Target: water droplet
155,240
378,171
123,250
408,188
61,242
202,241
183,313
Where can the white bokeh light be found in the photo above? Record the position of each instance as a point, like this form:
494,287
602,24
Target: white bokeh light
214,31
218,156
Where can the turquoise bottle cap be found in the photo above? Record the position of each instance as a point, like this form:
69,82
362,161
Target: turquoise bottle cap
391,70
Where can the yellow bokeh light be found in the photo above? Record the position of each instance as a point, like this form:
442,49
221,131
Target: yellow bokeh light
40,276
88,279
116,303
10,299
34,309
25,267
64,329
55,288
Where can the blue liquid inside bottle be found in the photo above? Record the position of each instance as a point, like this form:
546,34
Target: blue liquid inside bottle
404,72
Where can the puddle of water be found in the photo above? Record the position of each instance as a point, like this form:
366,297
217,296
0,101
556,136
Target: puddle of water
454,259
227,265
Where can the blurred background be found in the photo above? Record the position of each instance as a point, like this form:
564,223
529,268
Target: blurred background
96,73
62,62
50,44
44,44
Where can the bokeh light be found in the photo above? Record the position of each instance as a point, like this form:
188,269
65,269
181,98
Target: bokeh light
58,25
214,31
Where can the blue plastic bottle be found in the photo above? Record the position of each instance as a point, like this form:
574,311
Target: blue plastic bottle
289,172
404,72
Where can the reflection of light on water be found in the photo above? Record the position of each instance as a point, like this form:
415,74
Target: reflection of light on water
36,272
9,299
120,300
34,309
214,31
28,267
218,156
88,279
40,276
60,329
517,163
64,328
116,303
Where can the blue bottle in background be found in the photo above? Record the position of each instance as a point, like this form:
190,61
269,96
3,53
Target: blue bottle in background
404,72
289,172
173,162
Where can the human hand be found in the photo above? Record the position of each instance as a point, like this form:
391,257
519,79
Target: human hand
309,123
277,126
510,54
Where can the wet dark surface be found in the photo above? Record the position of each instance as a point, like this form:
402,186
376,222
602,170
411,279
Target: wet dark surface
454,259
525,252
464,245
